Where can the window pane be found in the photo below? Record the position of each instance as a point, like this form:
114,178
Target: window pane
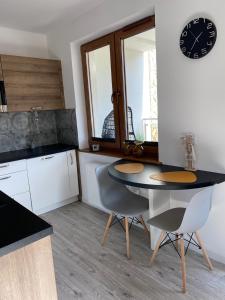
100,83
141,87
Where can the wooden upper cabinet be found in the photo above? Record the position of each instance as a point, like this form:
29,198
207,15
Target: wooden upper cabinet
32,83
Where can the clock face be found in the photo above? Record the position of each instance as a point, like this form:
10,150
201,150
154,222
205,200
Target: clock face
198,38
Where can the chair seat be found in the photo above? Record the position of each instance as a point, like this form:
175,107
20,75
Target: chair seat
134,205
169,220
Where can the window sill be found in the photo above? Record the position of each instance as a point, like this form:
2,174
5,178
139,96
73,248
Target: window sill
146,158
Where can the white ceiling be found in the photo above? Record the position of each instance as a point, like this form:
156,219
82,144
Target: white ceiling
41,15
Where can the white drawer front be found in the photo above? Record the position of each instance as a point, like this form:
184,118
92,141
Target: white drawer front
12,167
24,199
14,183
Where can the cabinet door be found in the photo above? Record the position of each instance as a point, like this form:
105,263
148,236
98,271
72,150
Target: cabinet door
49,180
32,82
72,168
24,199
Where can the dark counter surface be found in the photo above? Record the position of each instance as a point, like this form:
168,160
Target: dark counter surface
35,152
143,180
19,226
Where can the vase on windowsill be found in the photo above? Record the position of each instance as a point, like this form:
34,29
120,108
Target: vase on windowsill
128,148
138,149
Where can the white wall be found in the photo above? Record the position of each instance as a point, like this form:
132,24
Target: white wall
23,43
191,93
192,98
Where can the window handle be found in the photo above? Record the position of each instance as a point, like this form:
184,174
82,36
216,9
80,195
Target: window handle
115,97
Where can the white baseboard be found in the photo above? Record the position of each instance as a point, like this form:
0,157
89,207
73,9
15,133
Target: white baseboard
56,205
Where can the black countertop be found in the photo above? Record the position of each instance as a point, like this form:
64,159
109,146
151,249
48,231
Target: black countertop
143,180
35,152
19,226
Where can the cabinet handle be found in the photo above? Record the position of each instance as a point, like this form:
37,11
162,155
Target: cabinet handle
4,178
71,158
4,166
49,157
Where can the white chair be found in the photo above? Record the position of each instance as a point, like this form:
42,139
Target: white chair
122,204
179,222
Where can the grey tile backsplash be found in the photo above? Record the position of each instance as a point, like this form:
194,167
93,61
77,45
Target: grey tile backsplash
21,130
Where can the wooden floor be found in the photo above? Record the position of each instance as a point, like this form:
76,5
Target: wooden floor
85,270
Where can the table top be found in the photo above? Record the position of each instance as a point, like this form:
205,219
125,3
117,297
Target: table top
143,180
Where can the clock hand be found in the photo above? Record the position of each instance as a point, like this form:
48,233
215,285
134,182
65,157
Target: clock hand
196,40
194,44
192,34
199,36
195,36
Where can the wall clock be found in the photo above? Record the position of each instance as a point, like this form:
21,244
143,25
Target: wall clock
198,38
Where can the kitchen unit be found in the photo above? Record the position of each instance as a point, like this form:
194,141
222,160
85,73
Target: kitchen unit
32,83
27,270
14,182
40,179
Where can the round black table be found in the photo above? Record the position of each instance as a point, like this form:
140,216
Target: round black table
160,193
143,180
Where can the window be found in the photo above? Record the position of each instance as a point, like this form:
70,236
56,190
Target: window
141,85
120,83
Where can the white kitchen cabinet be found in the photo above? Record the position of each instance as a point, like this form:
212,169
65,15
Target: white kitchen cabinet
72,169
13,166
49,181
24,199
14,183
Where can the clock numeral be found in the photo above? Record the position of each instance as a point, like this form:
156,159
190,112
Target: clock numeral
209,26
188,54
195,55
184,49
212,34
188,26
204,51
196,21
184,33
209,43
181,42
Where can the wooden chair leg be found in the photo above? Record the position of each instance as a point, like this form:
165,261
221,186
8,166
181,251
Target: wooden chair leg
127,236
205,254
109,222
152,258
183,265
145,228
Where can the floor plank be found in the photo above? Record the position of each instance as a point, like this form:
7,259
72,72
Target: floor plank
86,270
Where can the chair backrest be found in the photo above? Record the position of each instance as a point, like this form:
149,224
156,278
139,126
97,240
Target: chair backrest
110,191
197,212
